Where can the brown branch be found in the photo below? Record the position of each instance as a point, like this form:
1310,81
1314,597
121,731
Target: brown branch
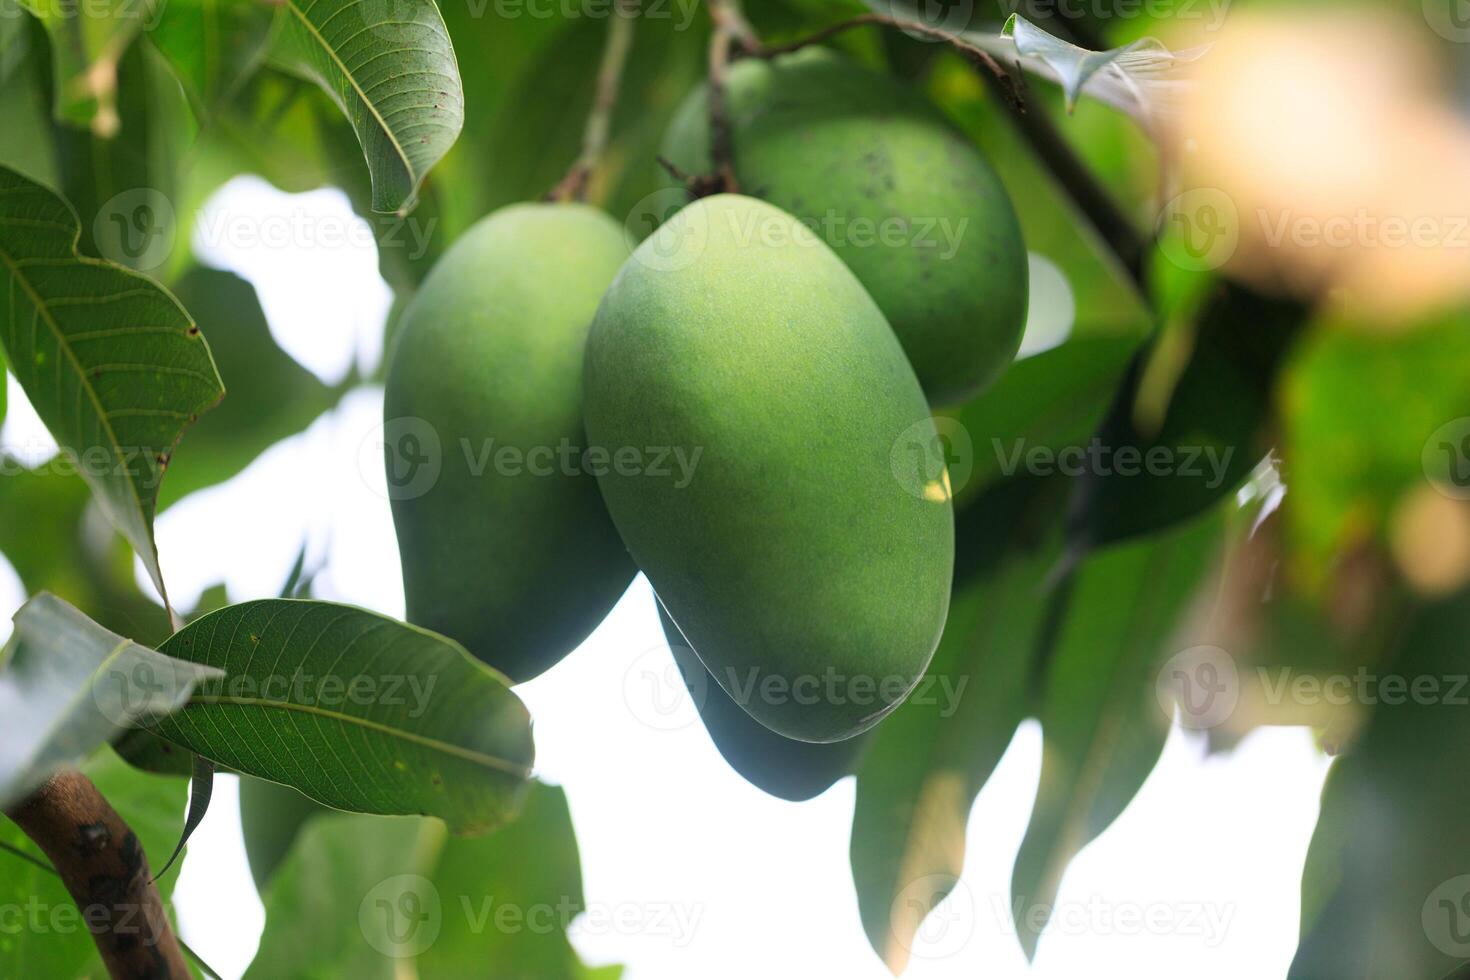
573,187
730,29
102,864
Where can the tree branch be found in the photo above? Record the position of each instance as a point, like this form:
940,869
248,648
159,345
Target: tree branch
102,864
573,187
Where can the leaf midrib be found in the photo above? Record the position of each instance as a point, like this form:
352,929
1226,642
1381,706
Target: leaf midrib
295,8
448,748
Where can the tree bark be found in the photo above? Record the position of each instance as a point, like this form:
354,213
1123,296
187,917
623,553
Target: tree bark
102,864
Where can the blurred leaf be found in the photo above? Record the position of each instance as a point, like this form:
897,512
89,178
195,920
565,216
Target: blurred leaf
1102,724
68,685
271,815
66,546
52,940
111,362
355,710
370,897
1368,415
87,44
1160,466
931,757
271,396
213,45
25,115
1042,404
1386,889
390,66
773,763
124,185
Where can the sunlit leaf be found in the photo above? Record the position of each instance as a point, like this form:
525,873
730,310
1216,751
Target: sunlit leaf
87,44
68,685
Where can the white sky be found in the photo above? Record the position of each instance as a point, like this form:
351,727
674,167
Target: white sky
1216,845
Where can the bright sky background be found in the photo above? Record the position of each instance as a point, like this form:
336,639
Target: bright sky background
664,825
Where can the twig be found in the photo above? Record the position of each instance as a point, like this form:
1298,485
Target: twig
573,187
977,56
730,27
103,867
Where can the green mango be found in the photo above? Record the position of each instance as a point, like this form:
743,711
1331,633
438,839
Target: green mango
504,541
775,764
803,551
907,202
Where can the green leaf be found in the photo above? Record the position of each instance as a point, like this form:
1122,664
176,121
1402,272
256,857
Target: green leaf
201,791
1385,888
371,897
68,685
271,815
1042,404
111,362
25,114
1368,416
355,710
52,939
271,395
1102,724
390,67
213,46
1207,435
932,756
87,42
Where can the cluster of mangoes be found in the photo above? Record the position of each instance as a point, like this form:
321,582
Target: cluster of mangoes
786,347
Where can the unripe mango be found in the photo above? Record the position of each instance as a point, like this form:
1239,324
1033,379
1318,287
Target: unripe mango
775,764
810,580
510,550
907,202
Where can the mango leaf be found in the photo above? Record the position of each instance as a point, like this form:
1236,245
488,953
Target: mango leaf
124,184
355,710
271,816
153,807
87,44
25,106
1386,888
390,67
111,362
1041,406
931,757
68,685
370,897
1102,725
213,46
201,791
1159,468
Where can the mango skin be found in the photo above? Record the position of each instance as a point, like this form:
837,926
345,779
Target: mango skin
518,567
783,767
794,559
847,149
